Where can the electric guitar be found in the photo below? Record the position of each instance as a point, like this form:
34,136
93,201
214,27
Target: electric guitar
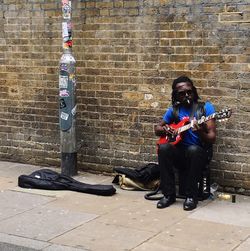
177,130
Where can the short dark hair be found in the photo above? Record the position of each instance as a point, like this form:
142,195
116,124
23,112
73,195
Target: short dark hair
174,91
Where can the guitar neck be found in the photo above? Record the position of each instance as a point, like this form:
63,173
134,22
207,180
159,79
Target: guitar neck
200,121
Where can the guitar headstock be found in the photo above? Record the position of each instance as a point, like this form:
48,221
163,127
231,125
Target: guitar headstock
224,114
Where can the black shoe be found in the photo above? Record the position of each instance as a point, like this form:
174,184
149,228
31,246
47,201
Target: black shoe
189,204
166,201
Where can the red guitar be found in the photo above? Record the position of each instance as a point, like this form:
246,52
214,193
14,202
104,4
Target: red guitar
177,129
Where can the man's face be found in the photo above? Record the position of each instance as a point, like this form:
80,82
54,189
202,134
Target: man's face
184,93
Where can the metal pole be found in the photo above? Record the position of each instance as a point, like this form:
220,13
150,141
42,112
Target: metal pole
67,97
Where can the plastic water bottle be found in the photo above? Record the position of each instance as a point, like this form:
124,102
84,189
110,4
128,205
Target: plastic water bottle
221,196
213,190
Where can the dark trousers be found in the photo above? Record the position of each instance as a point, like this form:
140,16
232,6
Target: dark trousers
190,162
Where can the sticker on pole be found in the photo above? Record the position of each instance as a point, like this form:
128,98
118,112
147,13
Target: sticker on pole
73,111
65,119
63,82
64,93
66,9
65,32
64,115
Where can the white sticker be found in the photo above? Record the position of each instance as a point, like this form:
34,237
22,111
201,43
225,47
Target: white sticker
64,93
65,32
64,115
63,82
73,111
66,9
67,58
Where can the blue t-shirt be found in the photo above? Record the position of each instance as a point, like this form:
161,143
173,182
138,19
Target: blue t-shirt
190,137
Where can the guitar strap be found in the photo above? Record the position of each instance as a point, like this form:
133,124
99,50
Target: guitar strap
201,111
197,107
200,106
194,107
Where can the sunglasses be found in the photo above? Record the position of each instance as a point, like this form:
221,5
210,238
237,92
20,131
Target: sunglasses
185,93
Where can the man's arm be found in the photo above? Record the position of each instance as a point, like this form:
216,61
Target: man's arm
207,131
162,128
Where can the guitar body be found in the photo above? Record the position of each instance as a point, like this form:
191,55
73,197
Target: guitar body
174,139
185,124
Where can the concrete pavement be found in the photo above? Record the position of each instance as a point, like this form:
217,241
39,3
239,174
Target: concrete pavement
32,219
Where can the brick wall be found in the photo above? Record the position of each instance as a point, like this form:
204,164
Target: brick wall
128,53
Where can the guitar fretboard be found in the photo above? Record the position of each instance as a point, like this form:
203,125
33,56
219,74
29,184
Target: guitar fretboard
200,121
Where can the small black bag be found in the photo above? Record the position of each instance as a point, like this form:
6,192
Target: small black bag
51,180
142,178
142,174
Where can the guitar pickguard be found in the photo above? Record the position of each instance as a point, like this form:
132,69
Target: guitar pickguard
175,137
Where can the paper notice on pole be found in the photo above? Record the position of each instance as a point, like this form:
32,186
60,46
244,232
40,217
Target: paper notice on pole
65,32
63,82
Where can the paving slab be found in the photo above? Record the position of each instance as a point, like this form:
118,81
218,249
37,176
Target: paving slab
14,203
245,246
20,243
55,247
16,243
144,215
103,236
6,183
89,203
13,170
43,192
12,247
226,212
44,223
191,234
153,246
84,202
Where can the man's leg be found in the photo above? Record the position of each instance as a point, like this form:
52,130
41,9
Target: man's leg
166,158
196,158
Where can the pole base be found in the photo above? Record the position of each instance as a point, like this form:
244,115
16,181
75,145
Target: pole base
69,164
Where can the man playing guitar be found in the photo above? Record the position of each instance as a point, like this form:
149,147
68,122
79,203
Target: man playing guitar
185,151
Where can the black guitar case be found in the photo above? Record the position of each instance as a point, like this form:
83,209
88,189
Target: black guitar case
51,180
